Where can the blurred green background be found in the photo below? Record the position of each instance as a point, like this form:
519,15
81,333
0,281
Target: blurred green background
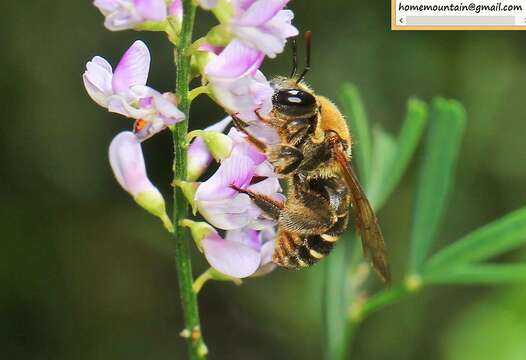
84,274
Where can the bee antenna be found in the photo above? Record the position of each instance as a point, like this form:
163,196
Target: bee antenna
308,42
294,58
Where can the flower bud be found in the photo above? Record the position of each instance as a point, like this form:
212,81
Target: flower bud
127,163
199,156
204,54
219,35
188,188
199,230
219,144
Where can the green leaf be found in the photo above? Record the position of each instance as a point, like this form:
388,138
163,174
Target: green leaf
354,110
334,300
479,274
406,144
490,240
436,172
384,152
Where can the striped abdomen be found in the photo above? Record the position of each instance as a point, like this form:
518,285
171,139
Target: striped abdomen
294,251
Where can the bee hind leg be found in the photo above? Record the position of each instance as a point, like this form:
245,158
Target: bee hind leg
307,213
267,204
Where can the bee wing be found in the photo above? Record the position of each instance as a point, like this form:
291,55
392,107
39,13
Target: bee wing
366,221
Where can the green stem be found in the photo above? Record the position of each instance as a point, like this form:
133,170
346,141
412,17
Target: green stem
201,280
198,91
196,346
358,312
379,301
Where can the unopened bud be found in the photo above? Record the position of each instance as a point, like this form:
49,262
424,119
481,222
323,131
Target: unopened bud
129,168
219,144
199,156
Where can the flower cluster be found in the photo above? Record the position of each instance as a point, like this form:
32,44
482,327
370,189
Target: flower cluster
237,237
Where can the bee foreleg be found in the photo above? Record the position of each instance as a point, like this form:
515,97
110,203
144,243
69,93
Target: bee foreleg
297,129
241,125
263,119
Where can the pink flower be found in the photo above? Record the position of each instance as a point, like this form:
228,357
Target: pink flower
242,253
236,82
245,168
127,163
127,14
125,92
263,24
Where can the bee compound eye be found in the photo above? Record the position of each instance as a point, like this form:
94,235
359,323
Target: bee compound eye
294,97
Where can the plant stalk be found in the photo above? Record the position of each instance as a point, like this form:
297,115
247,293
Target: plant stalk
196,346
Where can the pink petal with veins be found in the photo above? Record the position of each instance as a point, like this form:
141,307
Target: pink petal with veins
261,12
133,68
235,61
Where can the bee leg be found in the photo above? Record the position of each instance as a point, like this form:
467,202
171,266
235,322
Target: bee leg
307,213
241,125
312,216
338,194
265,120
267,204
284,158
296,130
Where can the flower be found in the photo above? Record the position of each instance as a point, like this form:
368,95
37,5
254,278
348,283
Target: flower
242,253
127,163
127,14
246,168
124,91
263,24
199,156
236,82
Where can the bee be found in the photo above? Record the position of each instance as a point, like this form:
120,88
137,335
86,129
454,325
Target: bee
323,190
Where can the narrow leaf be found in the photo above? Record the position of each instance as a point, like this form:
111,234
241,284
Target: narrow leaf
334,300
384,151
354,111
488,241
435,178
406,144
479,274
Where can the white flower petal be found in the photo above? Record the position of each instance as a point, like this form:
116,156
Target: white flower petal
97,80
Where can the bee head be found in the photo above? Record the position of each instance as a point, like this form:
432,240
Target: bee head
291,96
294,102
